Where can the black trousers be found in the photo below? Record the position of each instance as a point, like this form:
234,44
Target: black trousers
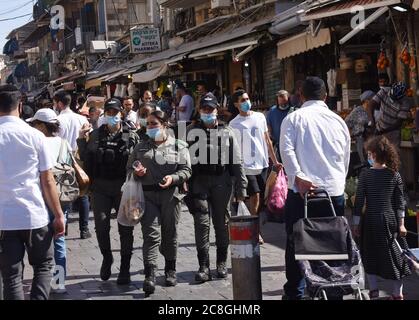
38,244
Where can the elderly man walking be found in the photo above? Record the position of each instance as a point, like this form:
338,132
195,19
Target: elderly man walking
315,150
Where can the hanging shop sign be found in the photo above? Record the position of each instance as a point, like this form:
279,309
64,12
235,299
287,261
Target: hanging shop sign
145,40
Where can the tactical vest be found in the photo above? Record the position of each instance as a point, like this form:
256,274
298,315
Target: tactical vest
112,154
211,168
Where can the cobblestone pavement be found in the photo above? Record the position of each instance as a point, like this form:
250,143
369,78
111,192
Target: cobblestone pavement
84,260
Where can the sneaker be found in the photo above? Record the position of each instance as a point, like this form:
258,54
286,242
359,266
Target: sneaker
374,294
396,297
222,270
85,234
60,289
261,241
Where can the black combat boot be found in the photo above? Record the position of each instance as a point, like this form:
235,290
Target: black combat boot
124,276
149,285
204,273
221,262
170,273
106,268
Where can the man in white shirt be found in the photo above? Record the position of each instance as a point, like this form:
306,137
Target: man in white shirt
128,113
26,187
251,131
186,105
315,150
70,125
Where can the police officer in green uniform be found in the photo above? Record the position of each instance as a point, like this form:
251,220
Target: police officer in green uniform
162,165
217,170
105,153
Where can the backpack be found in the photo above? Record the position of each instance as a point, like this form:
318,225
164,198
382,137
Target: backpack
65,179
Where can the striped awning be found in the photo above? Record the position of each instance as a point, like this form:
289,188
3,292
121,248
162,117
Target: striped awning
346,7
302,42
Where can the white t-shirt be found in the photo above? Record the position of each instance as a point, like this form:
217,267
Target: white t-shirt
54,146
23,155
132,116
188,103
70,125
250,132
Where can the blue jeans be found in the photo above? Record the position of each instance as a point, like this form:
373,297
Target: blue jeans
60,252
83,203
294,210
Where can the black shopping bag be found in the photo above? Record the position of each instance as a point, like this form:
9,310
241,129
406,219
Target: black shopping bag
321,238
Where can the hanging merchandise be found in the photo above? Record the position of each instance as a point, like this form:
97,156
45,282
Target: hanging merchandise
131,89
404,55
383,61
123,90
331,82
117,92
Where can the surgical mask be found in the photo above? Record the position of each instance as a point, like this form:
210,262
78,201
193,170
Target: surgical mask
208,118
154,133
142,122
113,121
245,106
371,162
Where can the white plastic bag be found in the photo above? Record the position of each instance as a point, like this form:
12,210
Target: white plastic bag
242,209
132,205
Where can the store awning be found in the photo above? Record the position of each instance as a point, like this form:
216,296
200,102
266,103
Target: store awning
93,83
302,42
37,34
114,75
149,75
345,7
68,77
184,4
252,41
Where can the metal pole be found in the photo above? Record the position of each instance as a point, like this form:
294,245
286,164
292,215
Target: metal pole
245,257
106,19
1,287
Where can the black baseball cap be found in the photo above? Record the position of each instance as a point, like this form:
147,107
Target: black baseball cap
209,100
113,104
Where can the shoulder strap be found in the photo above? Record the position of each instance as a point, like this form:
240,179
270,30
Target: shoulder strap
60,154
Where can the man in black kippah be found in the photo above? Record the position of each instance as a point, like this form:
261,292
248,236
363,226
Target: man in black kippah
315,149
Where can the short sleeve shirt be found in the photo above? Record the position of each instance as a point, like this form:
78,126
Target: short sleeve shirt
23,156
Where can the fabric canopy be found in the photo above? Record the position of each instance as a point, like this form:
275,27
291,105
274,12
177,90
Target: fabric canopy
149,75
302,42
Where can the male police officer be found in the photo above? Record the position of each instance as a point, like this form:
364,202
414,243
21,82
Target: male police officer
105,157
215,156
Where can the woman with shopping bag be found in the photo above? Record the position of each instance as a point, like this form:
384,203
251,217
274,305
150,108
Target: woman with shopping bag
162,165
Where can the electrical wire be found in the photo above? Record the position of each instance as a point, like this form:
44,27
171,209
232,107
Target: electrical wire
14,9
135,11
117,16
25,15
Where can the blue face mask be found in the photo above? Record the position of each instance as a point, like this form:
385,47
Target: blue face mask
154,133
245,106
142,122
113,121
208,118
371,162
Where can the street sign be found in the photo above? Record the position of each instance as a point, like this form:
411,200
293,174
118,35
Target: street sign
145,40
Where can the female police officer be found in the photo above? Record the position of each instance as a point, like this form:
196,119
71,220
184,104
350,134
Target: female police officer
162,164
105,156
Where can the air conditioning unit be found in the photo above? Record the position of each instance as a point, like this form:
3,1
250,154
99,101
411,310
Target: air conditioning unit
220,4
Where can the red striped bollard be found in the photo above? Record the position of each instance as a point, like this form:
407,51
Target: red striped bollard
245,257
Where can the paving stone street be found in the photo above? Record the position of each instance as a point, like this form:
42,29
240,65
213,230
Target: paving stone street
84,260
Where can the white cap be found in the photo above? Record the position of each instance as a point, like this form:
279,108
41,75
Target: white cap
44,115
